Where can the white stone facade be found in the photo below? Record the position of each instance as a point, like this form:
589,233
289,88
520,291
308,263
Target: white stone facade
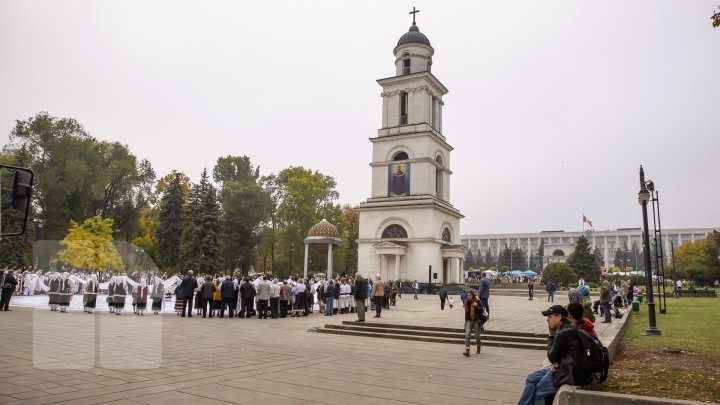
410,136
607,241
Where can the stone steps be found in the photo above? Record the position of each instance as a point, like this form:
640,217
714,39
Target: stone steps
517,340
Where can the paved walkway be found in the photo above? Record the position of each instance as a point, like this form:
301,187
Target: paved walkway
49,357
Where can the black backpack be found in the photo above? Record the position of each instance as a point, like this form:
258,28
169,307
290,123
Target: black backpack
595,356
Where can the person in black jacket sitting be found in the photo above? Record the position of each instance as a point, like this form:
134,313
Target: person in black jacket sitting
564,351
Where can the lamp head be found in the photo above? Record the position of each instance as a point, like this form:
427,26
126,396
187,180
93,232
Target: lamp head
650,185
643,196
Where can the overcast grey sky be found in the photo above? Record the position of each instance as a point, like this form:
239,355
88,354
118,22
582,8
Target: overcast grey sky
552,105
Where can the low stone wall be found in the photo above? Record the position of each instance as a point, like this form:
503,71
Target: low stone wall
574,395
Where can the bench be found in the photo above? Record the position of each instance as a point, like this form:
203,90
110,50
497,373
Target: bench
692,292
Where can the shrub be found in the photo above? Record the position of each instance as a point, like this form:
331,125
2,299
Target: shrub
561,273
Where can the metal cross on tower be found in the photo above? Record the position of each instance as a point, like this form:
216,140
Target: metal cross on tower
413,14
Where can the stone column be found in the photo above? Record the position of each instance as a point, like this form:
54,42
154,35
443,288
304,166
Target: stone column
383,265
305,266
397,267
607,253
385,114
330,261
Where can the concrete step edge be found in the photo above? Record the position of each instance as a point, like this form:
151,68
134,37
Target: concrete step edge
440,329
429,339
460,335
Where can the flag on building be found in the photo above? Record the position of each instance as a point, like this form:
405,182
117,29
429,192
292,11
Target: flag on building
587,220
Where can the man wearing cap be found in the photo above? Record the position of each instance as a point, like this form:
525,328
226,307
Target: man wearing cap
564,351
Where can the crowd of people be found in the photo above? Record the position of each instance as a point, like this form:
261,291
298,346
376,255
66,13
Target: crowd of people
257,295
270,297
266,296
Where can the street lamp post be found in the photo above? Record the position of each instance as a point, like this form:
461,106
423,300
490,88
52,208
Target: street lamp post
657,241
643,198
240,259
292,249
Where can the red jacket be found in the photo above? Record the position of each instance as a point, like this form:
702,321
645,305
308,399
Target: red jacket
587,326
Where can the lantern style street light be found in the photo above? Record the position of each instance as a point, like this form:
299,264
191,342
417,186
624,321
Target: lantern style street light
643,198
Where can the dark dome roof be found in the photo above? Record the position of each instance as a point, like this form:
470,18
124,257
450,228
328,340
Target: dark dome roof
414,36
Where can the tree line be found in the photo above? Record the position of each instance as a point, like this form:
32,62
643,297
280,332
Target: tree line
233,218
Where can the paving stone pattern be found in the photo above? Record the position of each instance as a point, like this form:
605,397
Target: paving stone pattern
166,359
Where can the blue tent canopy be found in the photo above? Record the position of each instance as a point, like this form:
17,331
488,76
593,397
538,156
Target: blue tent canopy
529,273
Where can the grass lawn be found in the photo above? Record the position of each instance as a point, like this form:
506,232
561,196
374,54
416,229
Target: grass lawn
683,363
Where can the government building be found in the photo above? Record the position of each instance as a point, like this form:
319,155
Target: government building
558,245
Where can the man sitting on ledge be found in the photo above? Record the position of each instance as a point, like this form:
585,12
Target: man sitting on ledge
564,351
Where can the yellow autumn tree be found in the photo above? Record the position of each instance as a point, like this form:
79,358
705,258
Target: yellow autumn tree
89,246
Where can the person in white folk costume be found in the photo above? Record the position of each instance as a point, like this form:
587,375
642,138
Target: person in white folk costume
111,294
158,290
90,293
54,291
140,295
65,292
121,290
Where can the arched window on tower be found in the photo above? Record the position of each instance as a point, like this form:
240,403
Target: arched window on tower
439,178
558,252
394,231
400,156
446,235
403,108
406,66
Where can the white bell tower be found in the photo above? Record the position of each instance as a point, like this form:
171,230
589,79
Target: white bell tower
408,225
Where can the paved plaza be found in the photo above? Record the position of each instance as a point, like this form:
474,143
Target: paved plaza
51,357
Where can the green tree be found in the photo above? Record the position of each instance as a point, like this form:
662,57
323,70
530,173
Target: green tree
504,257
271,188
698,260
245,207
147,227
349,229
583,261
599,259
200,245
14,250
562,273
307,197
469,260
171,223
712,256
636,257
78,177
479,259
716,18
489,259
519,259
89,246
